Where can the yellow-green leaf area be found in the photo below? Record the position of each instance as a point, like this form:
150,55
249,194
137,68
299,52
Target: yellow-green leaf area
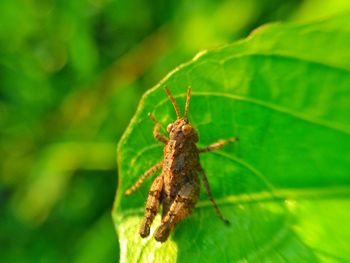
285,186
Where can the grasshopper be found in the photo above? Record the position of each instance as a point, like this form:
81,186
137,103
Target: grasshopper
177,187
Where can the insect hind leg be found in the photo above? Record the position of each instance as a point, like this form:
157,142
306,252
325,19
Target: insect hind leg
180,208
152,205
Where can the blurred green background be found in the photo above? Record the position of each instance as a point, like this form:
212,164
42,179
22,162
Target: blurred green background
71,75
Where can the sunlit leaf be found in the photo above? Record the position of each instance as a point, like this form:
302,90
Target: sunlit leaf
285,186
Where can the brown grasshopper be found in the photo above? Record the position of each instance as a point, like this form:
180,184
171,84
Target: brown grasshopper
177,187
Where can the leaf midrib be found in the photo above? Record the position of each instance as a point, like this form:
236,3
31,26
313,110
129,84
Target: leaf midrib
265,196
268,105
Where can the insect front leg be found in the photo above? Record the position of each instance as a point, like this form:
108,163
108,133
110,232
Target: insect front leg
152,205
138,183
157,135
217,145
211,198
180,208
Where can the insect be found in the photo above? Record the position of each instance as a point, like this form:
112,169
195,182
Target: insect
177,187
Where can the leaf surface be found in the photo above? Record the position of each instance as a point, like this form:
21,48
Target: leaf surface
285,186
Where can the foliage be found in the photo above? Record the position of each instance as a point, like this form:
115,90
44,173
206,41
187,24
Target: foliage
71,75
285,185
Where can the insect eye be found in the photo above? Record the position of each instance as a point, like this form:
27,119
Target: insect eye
169,127
186,129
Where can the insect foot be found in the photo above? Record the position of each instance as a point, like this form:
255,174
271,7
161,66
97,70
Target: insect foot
177,187
162,232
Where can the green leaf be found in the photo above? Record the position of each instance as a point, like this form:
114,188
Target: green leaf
285,186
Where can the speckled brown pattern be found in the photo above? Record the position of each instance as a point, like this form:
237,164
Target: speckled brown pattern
177,187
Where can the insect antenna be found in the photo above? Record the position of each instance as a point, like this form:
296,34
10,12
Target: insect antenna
173,102
187,101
